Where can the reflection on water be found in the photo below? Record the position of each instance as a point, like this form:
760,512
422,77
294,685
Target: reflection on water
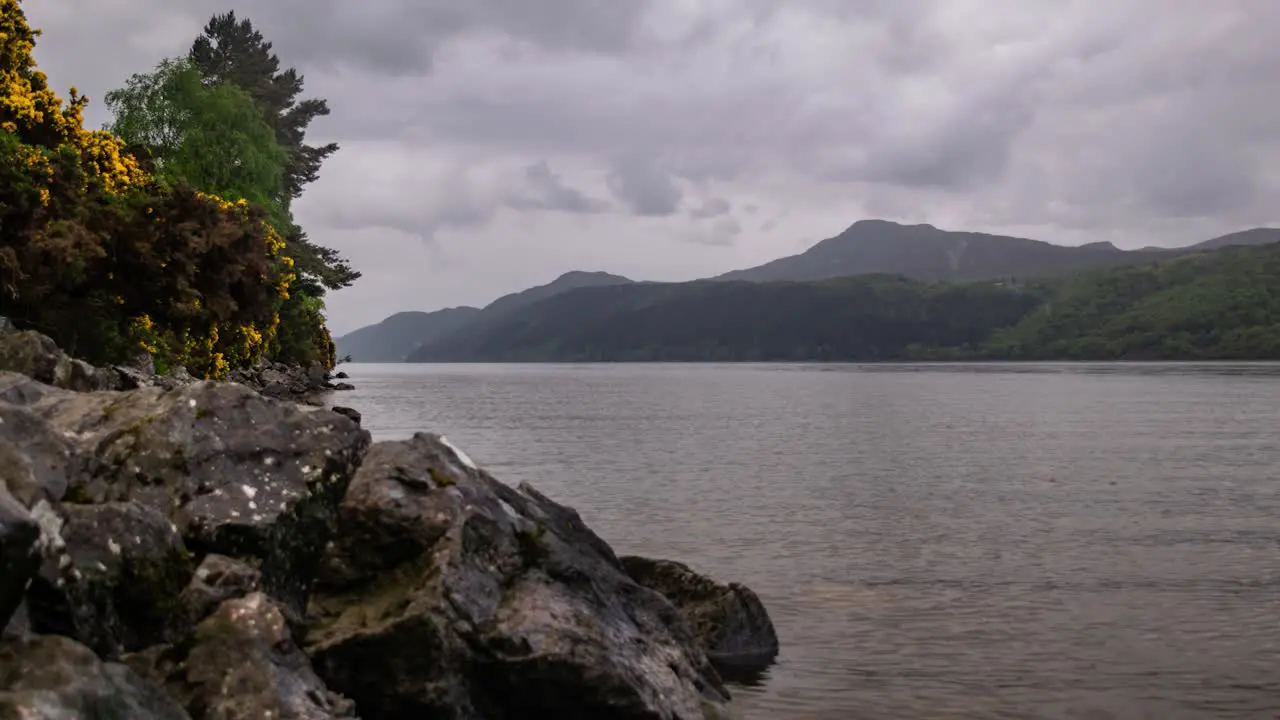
933,541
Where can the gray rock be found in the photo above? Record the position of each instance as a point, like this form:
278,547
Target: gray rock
238,474
19,555
729,620
341,375
343,386
218,579
56,678
36,462
7,326
241,664
38,357
349,412
511,606
115,585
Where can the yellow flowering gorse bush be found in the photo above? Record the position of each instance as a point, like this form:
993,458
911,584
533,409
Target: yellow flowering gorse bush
108,259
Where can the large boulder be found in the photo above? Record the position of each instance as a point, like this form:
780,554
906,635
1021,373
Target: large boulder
19,556
115,585
236,473
56,678
730,621
37,356
218,579
240,663
447,594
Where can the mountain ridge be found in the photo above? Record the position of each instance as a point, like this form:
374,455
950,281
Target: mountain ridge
920,252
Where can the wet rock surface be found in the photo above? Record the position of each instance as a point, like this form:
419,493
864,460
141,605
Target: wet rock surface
115,584
522,610
240,663
197,549
729,620
55,678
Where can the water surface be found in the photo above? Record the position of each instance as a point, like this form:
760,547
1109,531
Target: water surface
932,541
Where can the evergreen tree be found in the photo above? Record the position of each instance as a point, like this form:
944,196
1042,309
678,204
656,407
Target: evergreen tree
231,52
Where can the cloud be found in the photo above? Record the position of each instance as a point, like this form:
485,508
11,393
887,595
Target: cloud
642,185
668,139
713,207
546,191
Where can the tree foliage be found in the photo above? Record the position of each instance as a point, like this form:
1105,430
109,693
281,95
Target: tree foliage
109,258
210,136
231,52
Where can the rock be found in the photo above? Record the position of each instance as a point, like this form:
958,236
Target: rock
317,375
37,356
238,474
218,579
341,375
277,390
241,664
508,603
343,386
116,584
349,412
730,621
56,678
7,326
36,462
18,625
19,554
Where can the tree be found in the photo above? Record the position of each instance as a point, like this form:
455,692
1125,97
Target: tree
231,52
107,258
209,136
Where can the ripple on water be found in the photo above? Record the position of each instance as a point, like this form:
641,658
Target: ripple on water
985,541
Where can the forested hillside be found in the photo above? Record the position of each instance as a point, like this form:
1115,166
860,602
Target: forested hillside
1221,304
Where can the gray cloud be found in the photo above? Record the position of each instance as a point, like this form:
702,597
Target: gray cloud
713,207
546,191
569,134
641,184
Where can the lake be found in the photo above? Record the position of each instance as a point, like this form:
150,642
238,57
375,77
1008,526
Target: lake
932,541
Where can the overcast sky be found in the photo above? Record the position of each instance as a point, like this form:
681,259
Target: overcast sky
490,145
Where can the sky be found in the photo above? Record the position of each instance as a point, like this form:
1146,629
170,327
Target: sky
490,145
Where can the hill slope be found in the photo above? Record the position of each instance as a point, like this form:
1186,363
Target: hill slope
1223,304
395,337
514,302
924,252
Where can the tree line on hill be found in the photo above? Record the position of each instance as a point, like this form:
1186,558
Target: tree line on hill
170,231
1217,305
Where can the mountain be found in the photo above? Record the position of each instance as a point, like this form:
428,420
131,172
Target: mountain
923,252
1206,305
395,337
1256,236
568,281
513,302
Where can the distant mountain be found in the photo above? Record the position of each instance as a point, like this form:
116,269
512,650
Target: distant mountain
1188,305
923,252
395,337
1256,236
507,304
568,281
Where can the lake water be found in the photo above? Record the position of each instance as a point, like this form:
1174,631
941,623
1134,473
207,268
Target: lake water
967,541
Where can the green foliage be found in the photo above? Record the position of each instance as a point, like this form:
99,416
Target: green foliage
209,136
1217,305
302,338
230,52
108,259
226,120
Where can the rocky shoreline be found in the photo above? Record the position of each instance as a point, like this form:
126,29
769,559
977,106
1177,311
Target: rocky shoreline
179,549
